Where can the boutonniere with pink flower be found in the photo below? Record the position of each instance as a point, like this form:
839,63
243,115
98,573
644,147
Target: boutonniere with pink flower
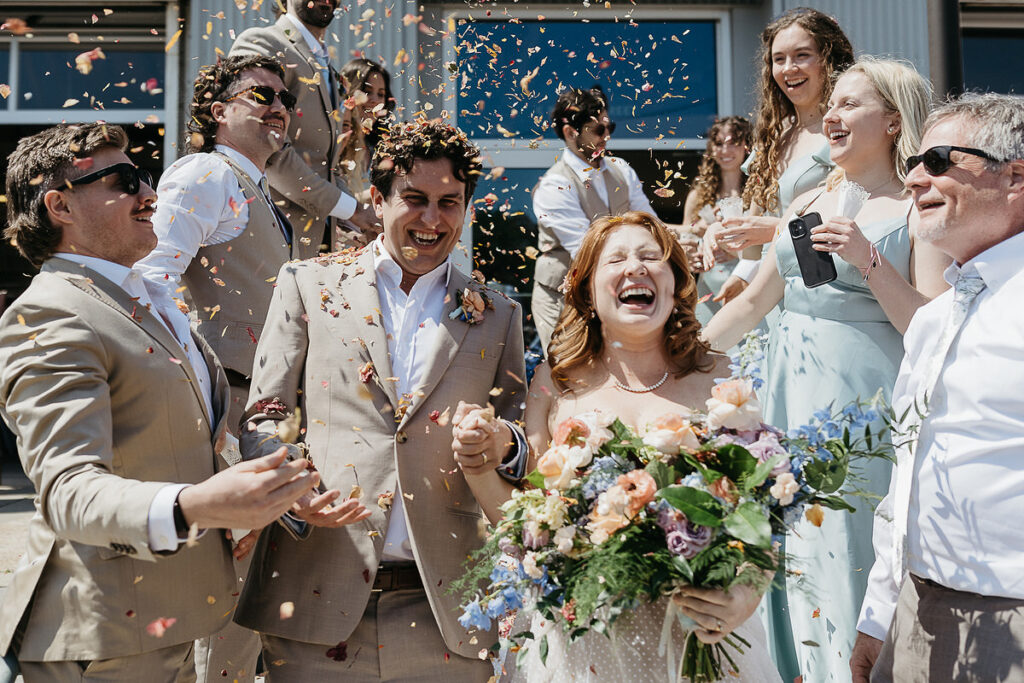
471,306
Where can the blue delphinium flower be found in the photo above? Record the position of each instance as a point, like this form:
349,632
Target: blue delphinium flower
474,617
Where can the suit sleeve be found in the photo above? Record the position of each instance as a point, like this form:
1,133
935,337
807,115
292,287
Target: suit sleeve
277,371
56,396
511,373
287,171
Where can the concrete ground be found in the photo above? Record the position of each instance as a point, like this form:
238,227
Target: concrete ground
15,511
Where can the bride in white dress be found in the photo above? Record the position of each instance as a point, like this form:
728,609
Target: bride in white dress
626,344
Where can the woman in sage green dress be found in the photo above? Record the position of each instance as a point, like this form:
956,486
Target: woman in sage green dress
842,340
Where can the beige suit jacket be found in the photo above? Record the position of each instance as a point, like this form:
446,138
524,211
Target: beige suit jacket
303,176
324,326
106,411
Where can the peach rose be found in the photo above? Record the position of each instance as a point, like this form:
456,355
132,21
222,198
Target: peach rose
671,433
609,514
784,487
586,429
473,304
640,487
734,405
725,489
560,463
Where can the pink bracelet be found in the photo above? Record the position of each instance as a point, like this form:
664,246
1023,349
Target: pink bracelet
876,259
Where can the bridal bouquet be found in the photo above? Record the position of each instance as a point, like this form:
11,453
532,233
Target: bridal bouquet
619,515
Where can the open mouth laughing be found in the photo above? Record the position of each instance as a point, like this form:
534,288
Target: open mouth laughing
637,295
424,239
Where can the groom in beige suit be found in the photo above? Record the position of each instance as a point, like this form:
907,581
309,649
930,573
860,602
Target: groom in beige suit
304,176
377,348
119,412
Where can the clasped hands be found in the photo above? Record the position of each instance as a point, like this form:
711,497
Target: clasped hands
733,235
841,236
480,440
717,612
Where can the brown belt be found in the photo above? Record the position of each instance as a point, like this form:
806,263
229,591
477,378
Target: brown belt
397,576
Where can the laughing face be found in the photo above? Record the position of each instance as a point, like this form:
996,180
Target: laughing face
256,130
728,149
633,283
797,67
422,216
859,125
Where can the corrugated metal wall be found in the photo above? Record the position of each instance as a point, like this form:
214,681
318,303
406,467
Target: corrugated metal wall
885,28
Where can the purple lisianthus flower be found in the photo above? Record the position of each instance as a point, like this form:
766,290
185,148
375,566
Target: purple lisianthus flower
766,447
683,538
535,541
509,548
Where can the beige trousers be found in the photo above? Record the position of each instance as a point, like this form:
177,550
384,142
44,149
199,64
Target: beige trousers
167,665
397,640
545,306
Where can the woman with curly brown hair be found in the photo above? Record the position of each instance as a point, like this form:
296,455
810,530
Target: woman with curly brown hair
719,177
627,345
801,52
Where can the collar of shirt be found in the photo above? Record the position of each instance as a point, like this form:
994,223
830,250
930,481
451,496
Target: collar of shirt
388,270
995,265
114,272
315,46
580,167
245,162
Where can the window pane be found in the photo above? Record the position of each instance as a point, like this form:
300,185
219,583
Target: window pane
988,61
5,69
128,78
660,75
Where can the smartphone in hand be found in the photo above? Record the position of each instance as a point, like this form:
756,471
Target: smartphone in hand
816,267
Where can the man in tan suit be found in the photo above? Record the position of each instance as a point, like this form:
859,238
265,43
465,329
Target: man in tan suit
377,348
119,413
304,176
221,242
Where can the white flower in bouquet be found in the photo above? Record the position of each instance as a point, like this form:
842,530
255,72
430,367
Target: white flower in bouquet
671,433
530,566
734,405
588,429
784,488
564,538
559,465
610,514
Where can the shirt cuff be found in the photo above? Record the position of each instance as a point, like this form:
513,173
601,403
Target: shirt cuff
875,619
513,468
746,269
345,208
162,534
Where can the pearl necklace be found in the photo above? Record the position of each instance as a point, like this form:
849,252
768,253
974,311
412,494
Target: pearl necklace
641,390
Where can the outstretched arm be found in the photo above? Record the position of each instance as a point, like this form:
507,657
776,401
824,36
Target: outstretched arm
743,313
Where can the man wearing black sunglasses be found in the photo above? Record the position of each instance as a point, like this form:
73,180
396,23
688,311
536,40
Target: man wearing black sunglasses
221,243
945,597
304,176
583,184
120,412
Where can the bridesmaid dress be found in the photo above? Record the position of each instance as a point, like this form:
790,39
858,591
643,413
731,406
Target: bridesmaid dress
831,344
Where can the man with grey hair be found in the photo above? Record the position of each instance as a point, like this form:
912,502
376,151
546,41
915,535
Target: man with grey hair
945,597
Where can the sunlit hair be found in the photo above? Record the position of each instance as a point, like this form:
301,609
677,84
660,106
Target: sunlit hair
709,175
43,162
357,72
215,83
577,339
991,122
425,140
903,91
774,110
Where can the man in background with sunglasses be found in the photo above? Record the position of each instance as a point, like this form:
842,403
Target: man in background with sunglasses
303,175
946,592
120,412
583,184
221,243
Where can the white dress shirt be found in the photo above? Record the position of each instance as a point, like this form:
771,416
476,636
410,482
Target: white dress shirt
555,199
161,531
194,208
412,322
347,204
962,493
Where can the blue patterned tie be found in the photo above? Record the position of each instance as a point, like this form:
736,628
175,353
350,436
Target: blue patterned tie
965,290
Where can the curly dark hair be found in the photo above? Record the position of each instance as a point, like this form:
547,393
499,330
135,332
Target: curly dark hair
212,85
709,176
428,140
43,162
578,107
774,110
577,339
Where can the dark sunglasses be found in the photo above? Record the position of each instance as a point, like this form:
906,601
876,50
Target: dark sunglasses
129,175
601,129
264,95
936,160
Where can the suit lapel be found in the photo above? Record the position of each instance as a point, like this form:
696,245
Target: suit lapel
358,287
302,47
91,282
450,336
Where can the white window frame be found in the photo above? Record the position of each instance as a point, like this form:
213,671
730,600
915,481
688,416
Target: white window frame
168,117
523,153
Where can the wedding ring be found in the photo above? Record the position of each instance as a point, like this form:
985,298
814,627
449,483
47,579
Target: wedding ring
719,629
484,456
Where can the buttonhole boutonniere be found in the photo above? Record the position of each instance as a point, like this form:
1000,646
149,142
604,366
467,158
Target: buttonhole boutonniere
471,306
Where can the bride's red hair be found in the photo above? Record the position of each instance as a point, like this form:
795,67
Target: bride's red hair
577,338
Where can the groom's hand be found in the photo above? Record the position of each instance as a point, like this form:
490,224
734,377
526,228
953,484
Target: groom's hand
320,510
479,440
865,653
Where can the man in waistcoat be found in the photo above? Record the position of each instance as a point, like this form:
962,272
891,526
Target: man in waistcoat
119,412
303,174
221,242
582,185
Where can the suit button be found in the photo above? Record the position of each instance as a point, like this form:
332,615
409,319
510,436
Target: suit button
401,437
